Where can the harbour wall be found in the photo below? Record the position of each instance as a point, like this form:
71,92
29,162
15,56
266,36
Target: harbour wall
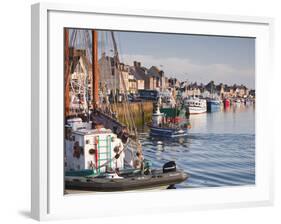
141,112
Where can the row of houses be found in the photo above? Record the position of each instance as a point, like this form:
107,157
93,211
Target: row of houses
221,90
137,77
134,77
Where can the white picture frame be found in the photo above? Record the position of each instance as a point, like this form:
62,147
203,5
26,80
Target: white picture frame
48,200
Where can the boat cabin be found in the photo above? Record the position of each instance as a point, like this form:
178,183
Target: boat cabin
76,123
157,117
92,149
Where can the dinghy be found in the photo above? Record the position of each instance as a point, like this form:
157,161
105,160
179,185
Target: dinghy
128,180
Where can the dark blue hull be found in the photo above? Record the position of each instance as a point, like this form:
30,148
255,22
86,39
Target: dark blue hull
213,106
168,132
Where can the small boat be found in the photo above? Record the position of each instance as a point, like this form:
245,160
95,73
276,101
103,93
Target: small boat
226,103
247,102
129,180
237,102
213,105
196,105
169,122
168,132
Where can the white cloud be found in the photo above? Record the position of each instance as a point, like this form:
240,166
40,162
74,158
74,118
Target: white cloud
186,69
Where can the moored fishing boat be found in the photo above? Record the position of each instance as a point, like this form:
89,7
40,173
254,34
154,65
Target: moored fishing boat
213,105
166,123
168,132
226,103
213,100
237,102
196,105
247,102
170,120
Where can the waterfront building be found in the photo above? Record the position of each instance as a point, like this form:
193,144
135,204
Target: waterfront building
220,89
109,74
174,83
252,93
228,91
193,89
155,79
242,91
132,84
139,74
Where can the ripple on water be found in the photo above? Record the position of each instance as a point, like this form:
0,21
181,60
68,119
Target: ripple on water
211,159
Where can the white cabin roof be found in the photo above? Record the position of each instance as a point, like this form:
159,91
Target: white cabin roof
74,120
92,131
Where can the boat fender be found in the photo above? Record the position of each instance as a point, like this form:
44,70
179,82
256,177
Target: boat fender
117,150
169,167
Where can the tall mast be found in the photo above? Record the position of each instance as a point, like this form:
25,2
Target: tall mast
128,108
116,56
95,70
66,72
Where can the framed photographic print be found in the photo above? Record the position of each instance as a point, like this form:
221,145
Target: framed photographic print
154,111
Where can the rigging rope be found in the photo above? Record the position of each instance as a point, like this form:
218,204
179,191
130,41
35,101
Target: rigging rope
130,114
80,39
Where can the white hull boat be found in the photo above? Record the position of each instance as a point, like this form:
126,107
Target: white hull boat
196,105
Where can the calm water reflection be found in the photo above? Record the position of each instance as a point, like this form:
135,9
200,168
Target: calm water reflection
219,151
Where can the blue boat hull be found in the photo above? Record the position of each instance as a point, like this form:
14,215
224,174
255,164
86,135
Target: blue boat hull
168,132
213,106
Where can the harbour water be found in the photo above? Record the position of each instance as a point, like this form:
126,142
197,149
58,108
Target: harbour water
219,150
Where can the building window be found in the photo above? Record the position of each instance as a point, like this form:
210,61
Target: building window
87,142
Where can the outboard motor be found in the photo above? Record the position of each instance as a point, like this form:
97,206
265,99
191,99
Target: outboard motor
169,167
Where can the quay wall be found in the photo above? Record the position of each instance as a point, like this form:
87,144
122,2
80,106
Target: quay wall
141,112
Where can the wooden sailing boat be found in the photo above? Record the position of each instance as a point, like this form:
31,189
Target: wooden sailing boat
99,154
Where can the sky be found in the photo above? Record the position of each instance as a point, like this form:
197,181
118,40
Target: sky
197,58
193,58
